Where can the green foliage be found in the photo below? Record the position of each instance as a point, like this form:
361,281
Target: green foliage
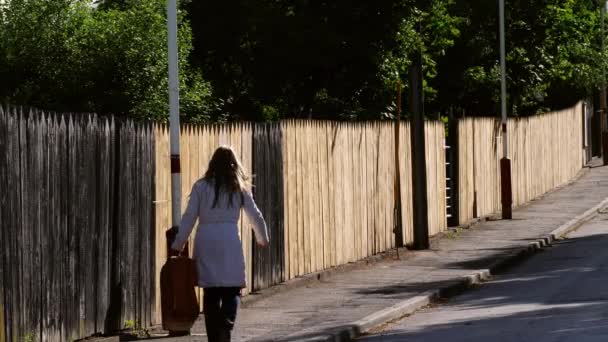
553,56
129,324
136,329
30,337
324,59
69,56
269,59
453,234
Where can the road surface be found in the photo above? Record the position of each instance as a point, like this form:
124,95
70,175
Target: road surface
560,294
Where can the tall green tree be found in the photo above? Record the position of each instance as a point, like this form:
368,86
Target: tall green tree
324,59
553,57
68,55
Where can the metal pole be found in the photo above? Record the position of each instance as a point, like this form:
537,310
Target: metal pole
398,231
603,121
603,17
603,47
505,163
503,79
176,195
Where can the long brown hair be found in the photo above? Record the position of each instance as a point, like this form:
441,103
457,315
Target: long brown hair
226,173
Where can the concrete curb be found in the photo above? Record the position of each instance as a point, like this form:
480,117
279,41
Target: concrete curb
577,221
411,305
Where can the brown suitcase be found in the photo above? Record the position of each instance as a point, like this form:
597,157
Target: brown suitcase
178,278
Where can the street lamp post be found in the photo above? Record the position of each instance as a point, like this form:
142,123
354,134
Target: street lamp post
505,162
176,195
603,121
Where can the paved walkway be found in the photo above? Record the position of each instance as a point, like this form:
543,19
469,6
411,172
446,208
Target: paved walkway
327,305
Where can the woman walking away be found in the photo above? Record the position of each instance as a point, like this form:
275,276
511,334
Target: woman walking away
216,200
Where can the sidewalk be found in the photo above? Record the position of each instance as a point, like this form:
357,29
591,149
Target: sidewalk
357,300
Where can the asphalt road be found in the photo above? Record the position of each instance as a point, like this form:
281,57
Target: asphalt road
560,294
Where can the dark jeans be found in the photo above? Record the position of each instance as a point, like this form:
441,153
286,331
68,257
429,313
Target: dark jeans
220,305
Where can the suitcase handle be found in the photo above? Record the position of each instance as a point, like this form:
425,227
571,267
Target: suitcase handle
171,234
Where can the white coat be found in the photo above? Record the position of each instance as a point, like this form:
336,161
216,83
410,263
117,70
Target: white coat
217,247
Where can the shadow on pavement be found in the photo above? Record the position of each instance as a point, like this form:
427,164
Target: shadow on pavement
526,304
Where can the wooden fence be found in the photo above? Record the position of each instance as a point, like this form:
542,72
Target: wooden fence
339,185
77,243
268,264
86,200
326,189
546,151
